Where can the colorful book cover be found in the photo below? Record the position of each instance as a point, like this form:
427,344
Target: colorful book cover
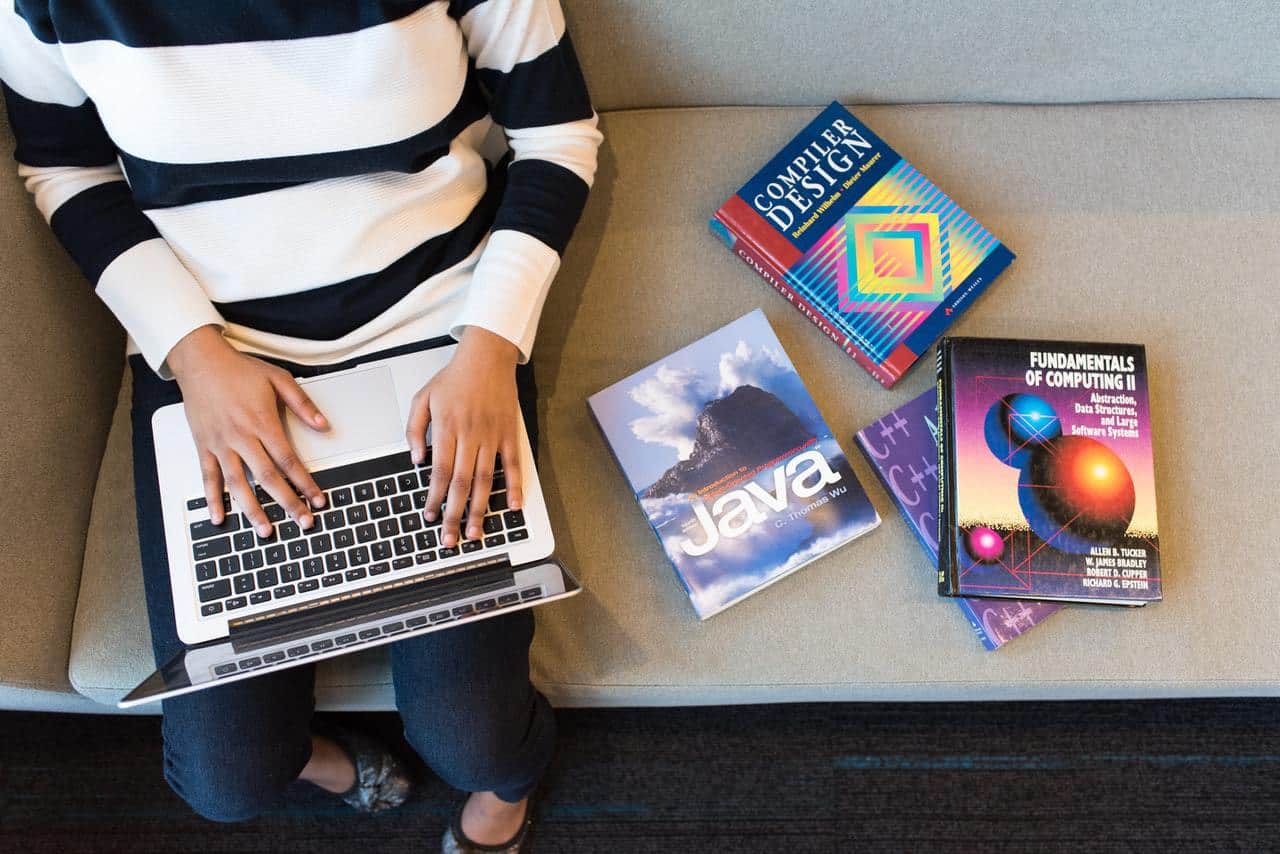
862,243
902,447
1048,481
732,463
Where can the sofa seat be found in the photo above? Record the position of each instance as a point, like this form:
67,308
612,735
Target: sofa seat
1150,222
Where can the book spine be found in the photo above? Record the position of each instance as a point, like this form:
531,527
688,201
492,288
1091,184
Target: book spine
740,242
946,539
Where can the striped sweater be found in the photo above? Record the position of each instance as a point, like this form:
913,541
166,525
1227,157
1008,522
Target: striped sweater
308,174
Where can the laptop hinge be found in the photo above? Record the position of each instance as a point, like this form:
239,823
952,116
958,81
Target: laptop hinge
491,572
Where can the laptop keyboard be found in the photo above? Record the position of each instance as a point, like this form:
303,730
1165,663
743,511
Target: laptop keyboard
371,525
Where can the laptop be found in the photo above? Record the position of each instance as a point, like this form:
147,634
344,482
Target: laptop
372,571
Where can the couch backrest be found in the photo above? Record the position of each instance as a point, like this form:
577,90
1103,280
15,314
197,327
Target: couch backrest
654,53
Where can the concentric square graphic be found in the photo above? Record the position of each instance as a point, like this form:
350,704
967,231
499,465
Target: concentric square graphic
895,259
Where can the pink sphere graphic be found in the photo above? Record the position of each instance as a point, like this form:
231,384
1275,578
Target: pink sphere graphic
985,544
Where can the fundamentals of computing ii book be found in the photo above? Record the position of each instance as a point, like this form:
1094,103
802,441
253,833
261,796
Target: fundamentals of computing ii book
902,447
1048,483
861,242
732,463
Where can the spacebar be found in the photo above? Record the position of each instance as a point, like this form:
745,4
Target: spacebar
363,470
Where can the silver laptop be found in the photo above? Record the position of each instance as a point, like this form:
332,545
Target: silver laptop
371,571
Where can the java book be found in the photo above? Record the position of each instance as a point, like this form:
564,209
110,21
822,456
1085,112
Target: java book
861,242
1048,480
902,447
732,463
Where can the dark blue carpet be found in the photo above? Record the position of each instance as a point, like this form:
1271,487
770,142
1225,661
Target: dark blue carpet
1161,776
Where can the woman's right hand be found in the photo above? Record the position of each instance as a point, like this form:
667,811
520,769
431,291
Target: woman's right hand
233,406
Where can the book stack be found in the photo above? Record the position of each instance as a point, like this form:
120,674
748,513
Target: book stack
1025,473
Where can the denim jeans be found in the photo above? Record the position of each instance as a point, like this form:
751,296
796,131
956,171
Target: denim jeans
464,694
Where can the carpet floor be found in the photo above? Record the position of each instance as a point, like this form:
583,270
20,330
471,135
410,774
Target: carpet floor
1160,776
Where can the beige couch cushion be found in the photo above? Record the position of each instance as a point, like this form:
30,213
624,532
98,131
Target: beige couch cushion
1153,223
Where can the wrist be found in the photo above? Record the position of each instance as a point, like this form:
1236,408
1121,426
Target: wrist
478,343
195,348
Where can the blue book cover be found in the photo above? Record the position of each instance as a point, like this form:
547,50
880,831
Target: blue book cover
902,447
859,240
732,463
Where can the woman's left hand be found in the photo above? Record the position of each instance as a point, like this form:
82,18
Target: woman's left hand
473,410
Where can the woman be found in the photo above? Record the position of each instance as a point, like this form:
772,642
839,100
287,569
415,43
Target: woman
257,188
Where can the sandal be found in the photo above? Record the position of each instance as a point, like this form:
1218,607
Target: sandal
456,842
381,783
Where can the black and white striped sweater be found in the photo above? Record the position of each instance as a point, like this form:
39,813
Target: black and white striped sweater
306,173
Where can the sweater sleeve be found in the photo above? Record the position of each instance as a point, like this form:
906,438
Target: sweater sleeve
70,166
527,66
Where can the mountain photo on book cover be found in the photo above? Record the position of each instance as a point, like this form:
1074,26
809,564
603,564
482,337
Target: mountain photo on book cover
732,463
1055,484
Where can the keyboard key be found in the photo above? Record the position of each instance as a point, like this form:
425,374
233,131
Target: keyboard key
206,571
392,628
513,518
439,616
309,585
401,504
380,550
463,610
492,523
508,599
499,480
448,552
424,557
494,541
289,530
298,549
270,538
211,609
334,519
243,541
420,499
408,481
486,605
206,529
380,568
426,539
385,487
335,562
344,538
275,554
224,669
357,514
322,645
321,543
414,622
236,603
498,501
268,577
388,528
330,580
340,497
206,549
355,574
243,583
379,509
469,546
410,522
531,593
516,536
358,556
274,512
197,503
290,572
403,545
273,657
343,640
363,492
366,533
402,563
285,591
229,565
313,566
295,651
252,560
211,590
250,663
260,597
369,634
424,477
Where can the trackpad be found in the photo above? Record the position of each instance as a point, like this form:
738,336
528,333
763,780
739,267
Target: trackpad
362,410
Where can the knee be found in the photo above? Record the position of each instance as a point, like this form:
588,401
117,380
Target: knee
225,785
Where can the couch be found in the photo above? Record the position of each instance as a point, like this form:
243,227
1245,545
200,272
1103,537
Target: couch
1129,154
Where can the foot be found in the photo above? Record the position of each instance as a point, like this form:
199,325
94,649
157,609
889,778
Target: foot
330,767
375,780
488,823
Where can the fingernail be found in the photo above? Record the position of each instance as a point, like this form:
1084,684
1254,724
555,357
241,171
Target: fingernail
320,420
473,533
307,521
318,501
516,503
265,531
429,515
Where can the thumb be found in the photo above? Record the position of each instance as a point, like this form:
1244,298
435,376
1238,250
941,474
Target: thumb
296,399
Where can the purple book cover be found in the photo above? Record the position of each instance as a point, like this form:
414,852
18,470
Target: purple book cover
902,447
